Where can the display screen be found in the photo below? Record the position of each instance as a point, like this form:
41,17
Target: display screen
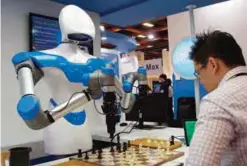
189,127
156,86
44,31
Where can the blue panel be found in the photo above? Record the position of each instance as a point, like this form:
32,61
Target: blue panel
130,12
102,6
76,118
28,107
122,42
74,71
20,57
184,88
108,71
150,10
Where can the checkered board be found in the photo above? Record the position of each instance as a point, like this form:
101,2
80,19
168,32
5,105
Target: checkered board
155,143
134,156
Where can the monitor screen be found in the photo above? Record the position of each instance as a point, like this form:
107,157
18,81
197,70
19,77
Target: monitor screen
156,86
189,129
153,107
43,32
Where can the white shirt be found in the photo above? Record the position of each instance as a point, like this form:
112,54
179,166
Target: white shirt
220,137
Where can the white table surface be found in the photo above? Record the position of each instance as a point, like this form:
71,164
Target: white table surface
102,135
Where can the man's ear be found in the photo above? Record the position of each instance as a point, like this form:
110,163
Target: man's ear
214,64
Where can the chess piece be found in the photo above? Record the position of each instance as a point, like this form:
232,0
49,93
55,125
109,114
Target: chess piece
159,148
121,162
172,140
168,148
79,153
149,141
140,148
118,139
125,147
129,144
99,155
86,156
93,150
112,149
119,148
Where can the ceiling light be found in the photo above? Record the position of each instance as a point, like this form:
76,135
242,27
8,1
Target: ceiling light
103,38
141,36
149,46
102,28
148,24
150,36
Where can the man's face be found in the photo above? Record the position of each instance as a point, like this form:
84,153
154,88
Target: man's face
207,73
162,80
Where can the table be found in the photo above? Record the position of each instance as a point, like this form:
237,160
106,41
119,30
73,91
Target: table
102,135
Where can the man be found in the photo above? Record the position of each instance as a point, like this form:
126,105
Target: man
220,137
163,84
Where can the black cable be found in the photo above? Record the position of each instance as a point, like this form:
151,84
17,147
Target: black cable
117,103
98,110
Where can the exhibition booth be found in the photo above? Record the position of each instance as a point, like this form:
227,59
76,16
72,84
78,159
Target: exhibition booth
68,100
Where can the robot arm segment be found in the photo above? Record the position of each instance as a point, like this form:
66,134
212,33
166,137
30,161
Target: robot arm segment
128,100
29,107
78,99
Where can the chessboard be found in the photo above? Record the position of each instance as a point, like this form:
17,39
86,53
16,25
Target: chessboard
131,156
155,143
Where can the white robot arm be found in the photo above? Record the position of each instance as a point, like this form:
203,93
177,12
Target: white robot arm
97,75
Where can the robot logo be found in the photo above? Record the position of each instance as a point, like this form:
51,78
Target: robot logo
75,118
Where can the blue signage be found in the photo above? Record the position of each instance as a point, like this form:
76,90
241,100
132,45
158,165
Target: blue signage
182,65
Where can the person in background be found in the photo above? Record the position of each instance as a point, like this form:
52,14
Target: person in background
166,88
220,136
163,84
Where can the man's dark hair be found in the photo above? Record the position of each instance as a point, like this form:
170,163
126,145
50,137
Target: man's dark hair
219,45
163,76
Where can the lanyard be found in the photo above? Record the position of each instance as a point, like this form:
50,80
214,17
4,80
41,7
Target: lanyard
237,75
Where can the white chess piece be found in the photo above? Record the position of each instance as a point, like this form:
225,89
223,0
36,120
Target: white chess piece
168,148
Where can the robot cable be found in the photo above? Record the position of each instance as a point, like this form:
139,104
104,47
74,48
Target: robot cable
123,131
99,111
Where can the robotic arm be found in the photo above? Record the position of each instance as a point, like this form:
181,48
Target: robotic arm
29,107
102,81
140,76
